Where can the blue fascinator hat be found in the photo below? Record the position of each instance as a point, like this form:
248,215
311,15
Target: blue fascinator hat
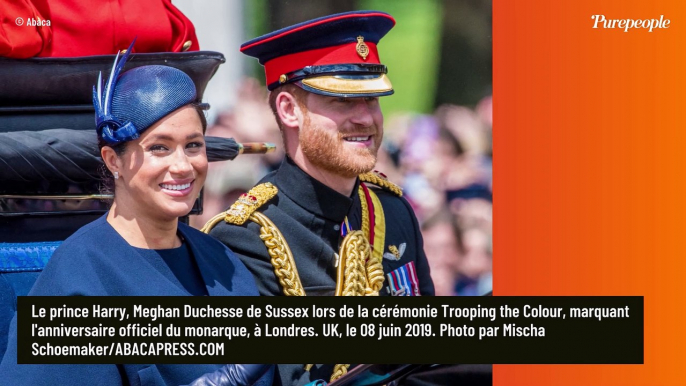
127,105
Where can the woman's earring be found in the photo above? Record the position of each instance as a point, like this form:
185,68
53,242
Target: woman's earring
116,175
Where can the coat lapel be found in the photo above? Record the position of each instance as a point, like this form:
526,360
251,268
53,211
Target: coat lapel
212,262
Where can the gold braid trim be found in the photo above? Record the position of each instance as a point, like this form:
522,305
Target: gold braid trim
375,274
375,277
244,207
381,181
374,263
339,371
213,221
365,212
352,276
280,254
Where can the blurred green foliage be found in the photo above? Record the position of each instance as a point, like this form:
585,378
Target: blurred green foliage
411,52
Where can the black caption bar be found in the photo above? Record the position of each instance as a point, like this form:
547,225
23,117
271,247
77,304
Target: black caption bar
421,330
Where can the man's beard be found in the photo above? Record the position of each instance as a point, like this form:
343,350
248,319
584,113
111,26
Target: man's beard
326,150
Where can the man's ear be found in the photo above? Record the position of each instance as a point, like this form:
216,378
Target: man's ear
288,110
111,159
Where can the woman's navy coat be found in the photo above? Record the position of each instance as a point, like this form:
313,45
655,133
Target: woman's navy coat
97,261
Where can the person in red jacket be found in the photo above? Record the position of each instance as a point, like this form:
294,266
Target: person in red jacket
69,28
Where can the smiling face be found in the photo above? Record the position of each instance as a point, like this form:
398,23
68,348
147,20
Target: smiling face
161,173
341,135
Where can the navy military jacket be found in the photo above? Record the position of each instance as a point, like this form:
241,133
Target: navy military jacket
309,215
97,261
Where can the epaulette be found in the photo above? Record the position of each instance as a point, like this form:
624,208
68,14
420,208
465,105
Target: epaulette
379,179
245,206
249,202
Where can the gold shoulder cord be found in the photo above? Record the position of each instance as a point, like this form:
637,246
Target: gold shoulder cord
281,256
359,272
381,181
245,208
352,275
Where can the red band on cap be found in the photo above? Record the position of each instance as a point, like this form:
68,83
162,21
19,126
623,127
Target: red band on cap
343,54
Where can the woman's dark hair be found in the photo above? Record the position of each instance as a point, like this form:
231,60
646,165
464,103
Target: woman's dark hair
106,177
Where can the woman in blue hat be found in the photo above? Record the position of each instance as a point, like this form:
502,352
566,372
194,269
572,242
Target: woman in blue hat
151,136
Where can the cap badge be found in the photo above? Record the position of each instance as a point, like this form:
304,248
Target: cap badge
362,48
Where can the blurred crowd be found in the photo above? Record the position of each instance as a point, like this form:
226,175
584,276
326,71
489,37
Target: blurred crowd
442,161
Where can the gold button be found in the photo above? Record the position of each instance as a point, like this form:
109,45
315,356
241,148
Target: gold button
186,45
283,79
123,51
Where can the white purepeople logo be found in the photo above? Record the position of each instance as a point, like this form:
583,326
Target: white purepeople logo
601,22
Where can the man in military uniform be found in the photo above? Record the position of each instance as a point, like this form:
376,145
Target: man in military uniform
323,223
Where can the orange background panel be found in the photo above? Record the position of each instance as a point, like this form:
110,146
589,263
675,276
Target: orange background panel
589,170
